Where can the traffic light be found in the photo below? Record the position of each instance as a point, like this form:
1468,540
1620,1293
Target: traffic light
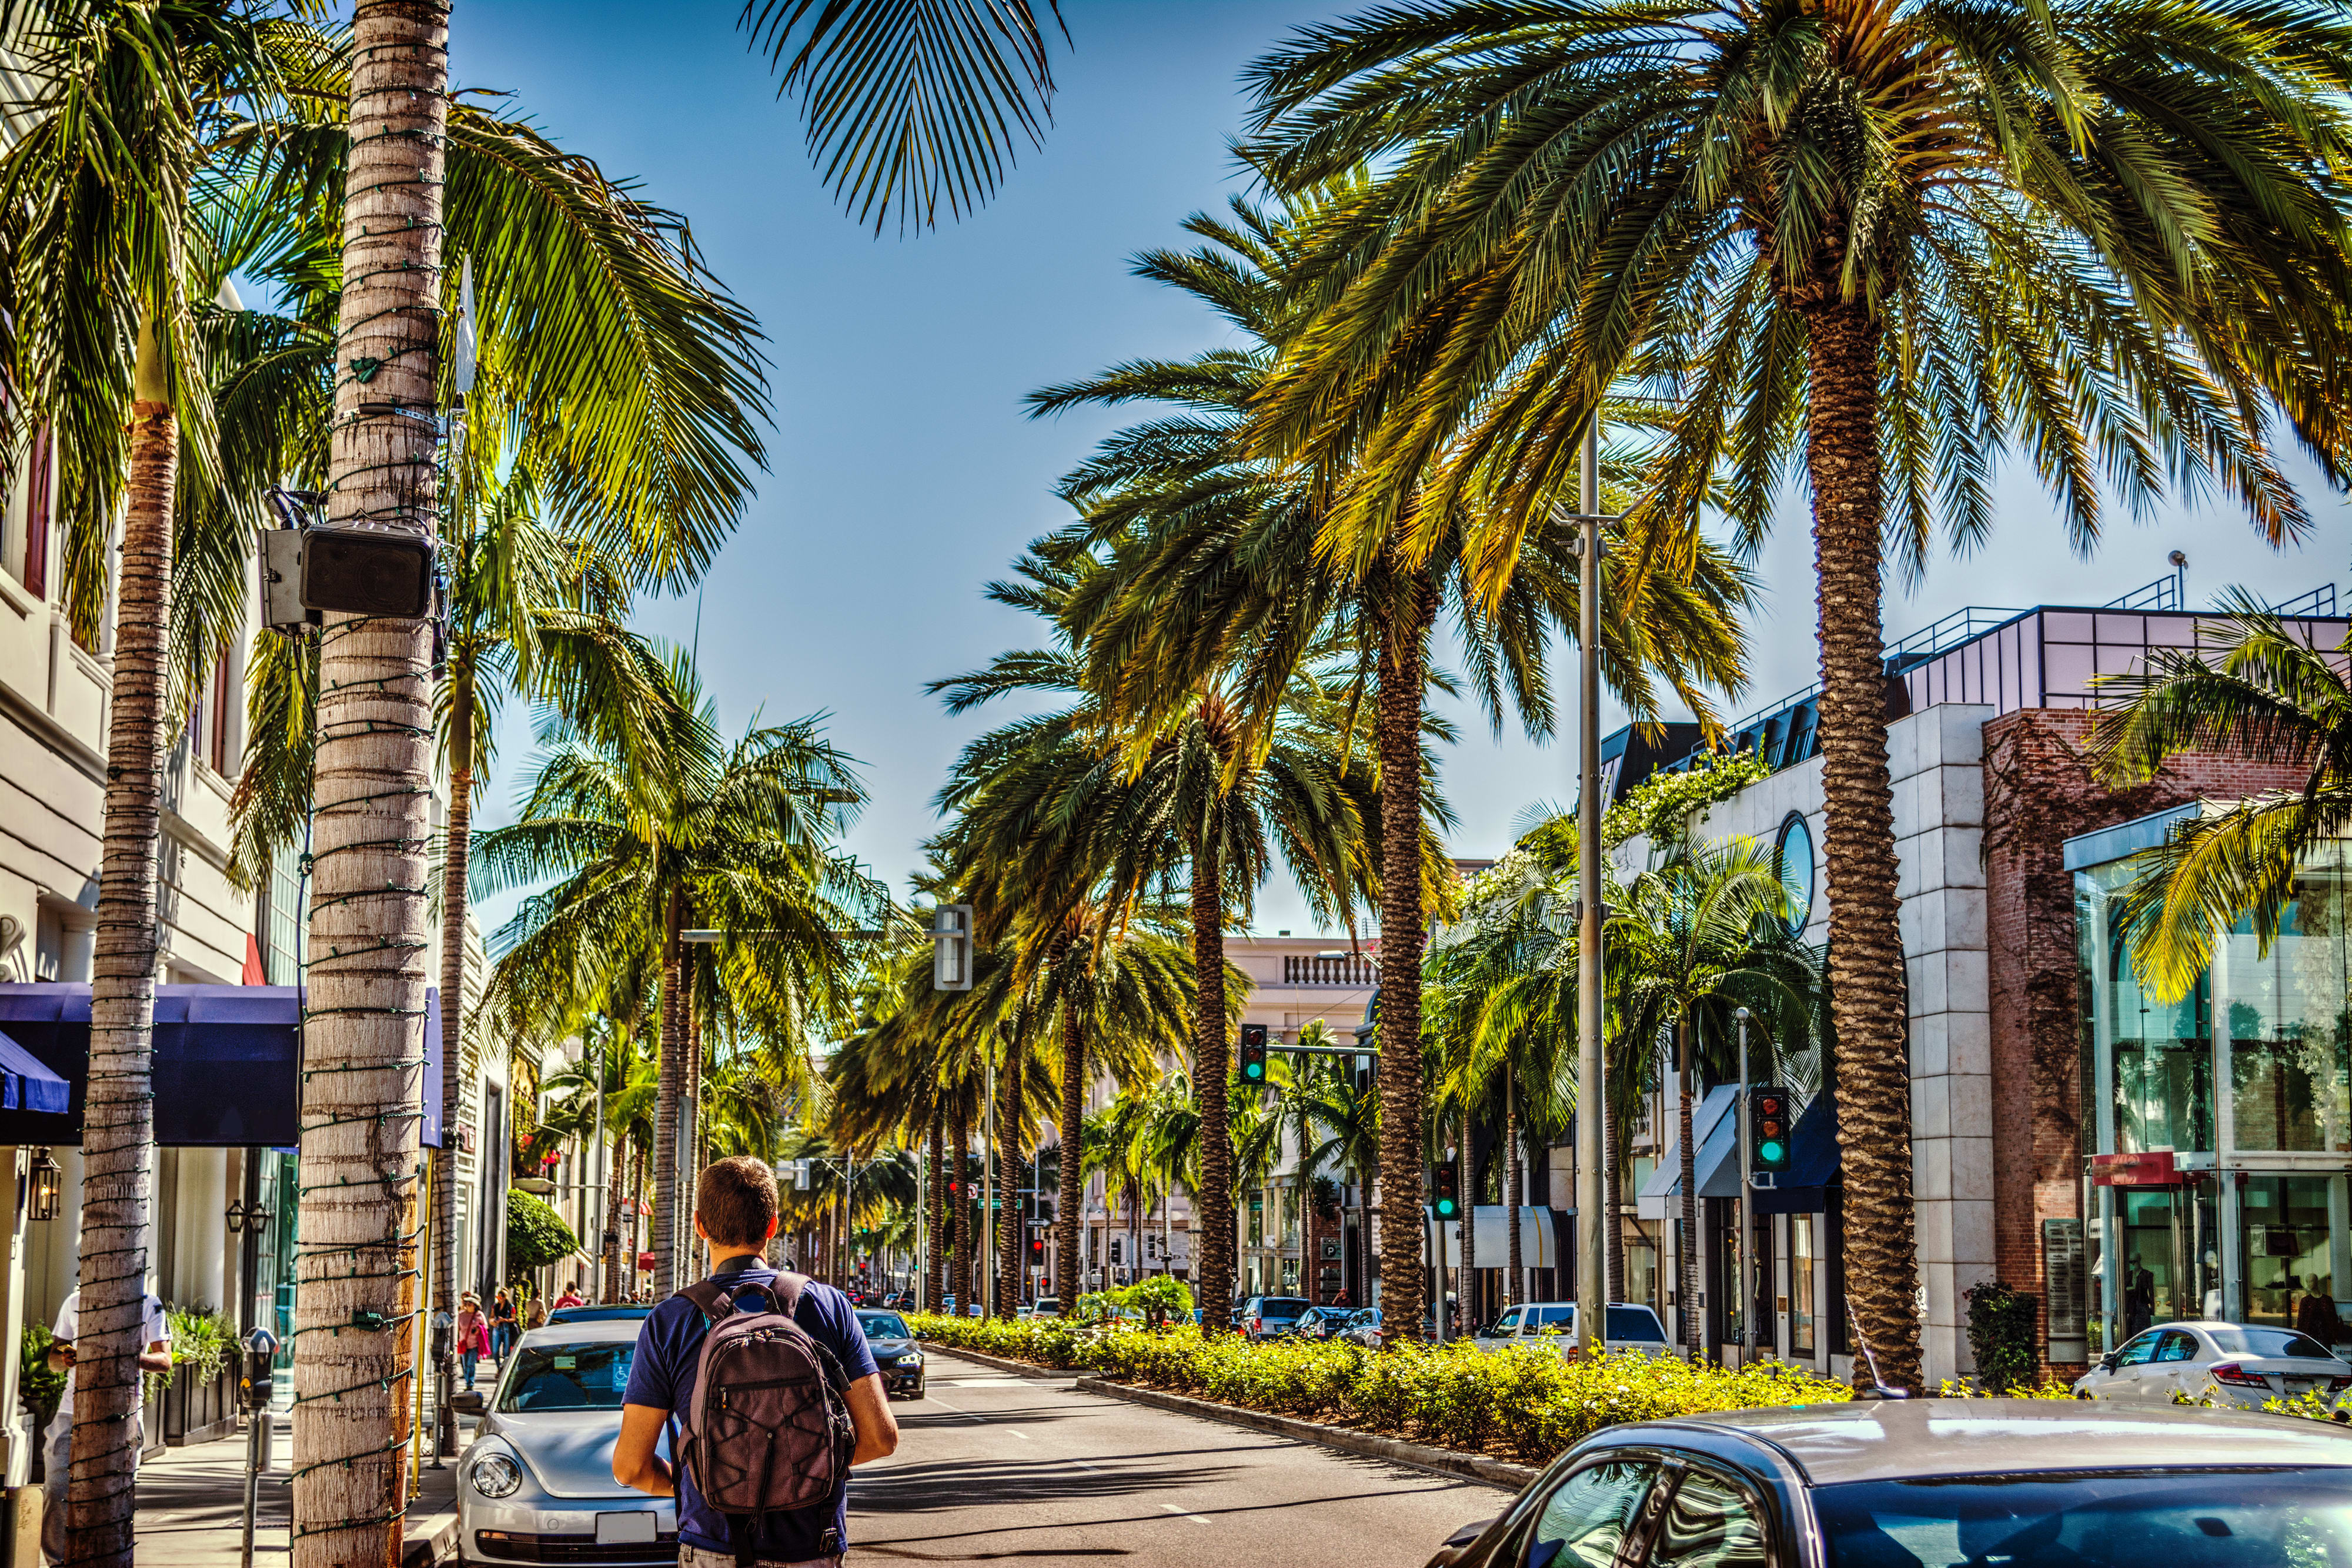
1768,1130
1442,1187
1252,1064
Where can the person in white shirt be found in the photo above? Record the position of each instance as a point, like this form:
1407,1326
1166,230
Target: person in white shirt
155,1333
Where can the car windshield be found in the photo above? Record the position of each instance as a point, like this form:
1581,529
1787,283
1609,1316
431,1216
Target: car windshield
2269,1342
588,1376
883,1326
2216,1519
597,1314
1282,1306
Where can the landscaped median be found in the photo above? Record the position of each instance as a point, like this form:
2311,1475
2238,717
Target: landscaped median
1520,1405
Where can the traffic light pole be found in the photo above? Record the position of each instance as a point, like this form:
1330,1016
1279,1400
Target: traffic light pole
1746,1300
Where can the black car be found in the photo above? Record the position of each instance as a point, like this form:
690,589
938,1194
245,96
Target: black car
1933,1483
895,1352
600,1313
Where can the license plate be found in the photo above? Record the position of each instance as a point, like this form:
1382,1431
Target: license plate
2301,1384
626,1529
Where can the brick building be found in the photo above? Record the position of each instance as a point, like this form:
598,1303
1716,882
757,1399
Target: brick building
2035,1057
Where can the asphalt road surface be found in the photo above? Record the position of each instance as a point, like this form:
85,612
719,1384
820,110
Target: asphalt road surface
992,1468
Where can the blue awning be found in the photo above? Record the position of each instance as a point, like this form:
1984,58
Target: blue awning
26,1084
226,1068
1718,1164
1815,1163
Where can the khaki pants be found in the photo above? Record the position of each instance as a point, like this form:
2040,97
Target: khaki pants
696,1557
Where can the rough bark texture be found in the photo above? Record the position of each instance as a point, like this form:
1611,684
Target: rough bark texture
1402,669
1069,1280
118,1131
1866,945
1012,1118
1213,1220
1688,1316
935,1218
371,921
961,1276
609,1244
689,1117
1466,1299
669,1094
1615,1200
456,841
1516,1286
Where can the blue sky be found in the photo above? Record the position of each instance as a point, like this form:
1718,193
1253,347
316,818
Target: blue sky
903,472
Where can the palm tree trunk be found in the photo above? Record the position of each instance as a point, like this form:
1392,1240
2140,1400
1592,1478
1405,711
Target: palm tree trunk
1212,1066
1687,1246
610,1242
1397,715
961,1278
1866,945
453,999
689,1111
935,1266
1614,1176
1068,1282
370,913
1517,1268
1467,1298
1012,1111
118,1131
668,1096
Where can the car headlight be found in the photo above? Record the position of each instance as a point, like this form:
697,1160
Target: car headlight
496,1475
912,1358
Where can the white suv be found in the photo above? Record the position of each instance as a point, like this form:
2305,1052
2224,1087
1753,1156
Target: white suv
1553,1323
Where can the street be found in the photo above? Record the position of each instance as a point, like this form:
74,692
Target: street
992,1467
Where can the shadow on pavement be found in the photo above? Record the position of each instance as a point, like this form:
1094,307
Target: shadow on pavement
946,1484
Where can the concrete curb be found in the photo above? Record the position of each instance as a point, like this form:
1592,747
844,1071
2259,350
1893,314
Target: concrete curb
996,1363
1445,1461
432,1539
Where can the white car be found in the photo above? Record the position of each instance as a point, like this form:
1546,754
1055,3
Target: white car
1553,1323
2233,1363
536,1484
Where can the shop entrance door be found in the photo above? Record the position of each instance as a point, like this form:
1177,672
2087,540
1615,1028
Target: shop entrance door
2169,1258
2292,1244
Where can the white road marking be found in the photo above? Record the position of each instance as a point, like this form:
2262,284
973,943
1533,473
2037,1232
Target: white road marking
1182,1514
1023,1435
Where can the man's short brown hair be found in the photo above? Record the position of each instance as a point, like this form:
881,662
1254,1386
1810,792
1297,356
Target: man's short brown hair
736,1201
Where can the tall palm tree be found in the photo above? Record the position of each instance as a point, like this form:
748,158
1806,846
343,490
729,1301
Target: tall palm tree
1053,802
1892,239
635,836
1693,941
2252,687
1178,501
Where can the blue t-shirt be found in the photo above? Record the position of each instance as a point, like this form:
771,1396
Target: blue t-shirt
669,1355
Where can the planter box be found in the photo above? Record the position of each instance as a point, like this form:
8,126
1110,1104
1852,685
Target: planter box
194,1411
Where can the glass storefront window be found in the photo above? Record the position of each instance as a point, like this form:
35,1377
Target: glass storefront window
2170,1254
1641,1263
1800,1284
2286,1018
2287,1249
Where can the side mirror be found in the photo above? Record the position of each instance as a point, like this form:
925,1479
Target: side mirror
2108,1362
468,1402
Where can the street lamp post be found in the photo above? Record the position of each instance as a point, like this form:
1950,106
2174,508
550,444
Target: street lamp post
1592,1295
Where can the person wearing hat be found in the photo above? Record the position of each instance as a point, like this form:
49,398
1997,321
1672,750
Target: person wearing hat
473,1334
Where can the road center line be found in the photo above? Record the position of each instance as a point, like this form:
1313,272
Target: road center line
1182,1514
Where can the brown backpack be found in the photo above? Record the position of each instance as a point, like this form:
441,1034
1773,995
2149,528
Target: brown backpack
768,1430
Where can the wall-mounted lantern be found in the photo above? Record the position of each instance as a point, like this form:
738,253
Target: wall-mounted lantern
45,1187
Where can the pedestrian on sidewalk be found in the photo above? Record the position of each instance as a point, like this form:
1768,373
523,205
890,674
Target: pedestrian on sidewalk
155,1334
735,1212
571,1297
502,1327
473,1334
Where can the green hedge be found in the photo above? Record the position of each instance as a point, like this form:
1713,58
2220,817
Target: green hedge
1521,1403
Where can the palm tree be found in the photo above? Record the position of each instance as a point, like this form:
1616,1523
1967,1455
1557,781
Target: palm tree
1179,501
743,836
1052,803
2252,687
1693,941
1892,238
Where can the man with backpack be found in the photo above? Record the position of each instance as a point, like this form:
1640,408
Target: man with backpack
772,1390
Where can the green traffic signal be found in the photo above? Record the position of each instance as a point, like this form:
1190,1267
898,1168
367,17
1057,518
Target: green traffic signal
1444,1209
1770,1154
1254,1069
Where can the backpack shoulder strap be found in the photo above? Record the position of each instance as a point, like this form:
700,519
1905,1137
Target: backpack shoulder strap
712,1297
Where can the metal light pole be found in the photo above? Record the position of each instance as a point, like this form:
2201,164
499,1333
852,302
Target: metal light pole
1592,1244
1745,1300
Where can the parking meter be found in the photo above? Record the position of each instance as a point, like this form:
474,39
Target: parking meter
261,1380
258,1382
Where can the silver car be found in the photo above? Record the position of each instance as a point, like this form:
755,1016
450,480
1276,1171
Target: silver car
536,1484
2231,1363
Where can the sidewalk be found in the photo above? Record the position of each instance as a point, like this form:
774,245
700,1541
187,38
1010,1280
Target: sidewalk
192,1506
